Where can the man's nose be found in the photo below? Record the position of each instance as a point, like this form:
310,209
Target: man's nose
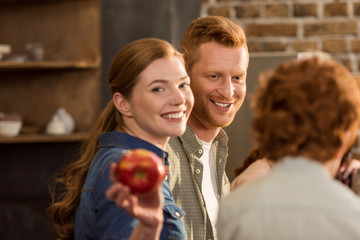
227,88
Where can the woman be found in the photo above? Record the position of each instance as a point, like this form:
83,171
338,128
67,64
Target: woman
151,101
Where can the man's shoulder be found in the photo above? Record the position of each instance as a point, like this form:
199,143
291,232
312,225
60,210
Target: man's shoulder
186,140
173,145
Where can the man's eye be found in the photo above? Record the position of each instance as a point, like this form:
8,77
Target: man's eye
238,78
184,85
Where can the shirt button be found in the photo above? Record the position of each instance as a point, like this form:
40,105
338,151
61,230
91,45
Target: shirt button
177,214
197,171
200,151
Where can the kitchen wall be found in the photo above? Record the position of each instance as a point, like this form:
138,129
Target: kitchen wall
286,26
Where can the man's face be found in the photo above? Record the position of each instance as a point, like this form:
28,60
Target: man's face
218,81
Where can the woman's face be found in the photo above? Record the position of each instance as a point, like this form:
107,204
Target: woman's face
161,101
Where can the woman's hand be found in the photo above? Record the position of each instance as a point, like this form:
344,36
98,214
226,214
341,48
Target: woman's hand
146,207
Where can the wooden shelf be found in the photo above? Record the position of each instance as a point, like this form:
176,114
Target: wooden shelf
69,74
35,1
46,65
38,138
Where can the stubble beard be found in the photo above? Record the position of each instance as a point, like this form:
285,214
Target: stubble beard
210,120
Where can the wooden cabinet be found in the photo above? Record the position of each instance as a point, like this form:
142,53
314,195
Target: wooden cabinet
69,74
68,77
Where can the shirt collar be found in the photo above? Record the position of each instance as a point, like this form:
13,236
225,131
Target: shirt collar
301,165
126,141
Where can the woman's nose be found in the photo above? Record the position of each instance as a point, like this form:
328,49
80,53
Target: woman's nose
177,97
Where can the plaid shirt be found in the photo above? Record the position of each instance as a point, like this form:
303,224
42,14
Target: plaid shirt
186,175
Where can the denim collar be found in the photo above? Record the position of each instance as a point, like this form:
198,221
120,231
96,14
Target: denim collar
126,141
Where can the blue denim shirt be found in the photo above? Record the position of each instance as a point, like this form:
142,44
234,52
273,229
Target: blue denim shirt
98,218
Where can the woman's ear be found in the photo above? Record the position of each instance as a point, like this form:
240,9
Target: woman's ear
122,105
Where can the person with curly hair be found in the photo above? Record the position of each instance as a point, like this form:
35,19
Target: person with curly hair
306,118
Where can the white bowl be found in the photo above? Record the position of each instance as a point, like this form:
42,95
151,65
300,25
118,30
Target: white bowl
10,128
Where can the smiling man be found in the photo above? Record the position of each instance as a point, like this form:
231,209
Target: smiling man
216,59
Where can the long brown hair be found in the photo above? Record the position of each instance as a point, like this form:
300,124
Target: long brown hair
66,187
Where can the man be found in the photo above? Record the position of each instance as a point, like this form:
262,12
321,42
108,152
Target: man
306,117
216,59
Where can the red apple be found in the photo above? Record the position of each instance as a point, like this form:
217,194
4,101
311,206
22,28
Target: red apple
141,170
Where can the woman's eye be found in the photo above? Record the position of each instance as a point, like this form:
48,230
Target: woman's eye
157,89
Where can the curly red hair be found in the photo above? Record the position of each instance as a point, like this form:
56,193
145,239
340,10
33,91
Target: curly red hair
304,108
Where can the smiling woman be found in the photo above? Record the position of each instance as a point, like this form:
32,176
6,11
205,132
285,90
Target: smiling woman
156,113
160,108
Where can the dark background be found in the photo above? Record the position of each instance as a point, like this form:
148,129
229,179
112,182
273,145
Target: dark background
25,172
127,20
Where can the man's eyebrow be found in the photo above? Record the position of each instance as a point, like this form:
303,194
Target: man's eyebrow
184,77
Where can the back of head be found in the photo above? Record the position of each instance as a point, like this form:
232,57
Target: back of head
304,108
207,29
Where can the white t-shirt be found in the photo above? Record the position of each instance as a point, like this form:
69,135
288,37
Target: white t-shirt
209,185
